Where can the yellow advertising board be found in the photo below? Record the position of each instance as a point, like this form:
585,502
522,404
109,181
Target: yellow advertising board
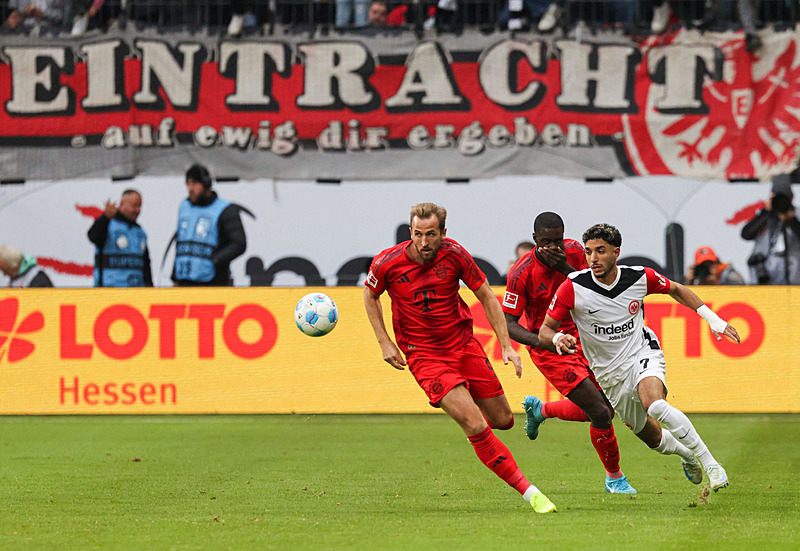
237,350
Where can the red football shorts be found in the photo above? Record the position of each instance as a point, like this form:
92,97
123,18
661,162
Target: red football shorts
468,366
564,372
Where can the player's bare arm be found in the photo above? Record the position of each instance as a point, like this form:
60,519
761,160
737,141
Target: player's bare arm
520,334
391,354
683,295
563,342
494,314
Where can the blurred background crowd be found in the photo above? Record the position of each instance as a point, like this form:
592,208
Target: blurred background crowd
235,17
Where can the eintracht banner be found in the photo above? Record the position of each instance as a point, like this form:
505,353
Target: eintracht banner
238,351
378,106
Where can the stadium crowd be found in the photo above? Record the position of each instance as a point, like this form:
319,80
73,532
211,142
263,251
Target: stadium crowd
235,17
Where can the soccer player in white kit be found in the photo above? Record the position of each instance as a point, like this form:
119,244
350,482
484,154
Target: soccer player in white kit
605,302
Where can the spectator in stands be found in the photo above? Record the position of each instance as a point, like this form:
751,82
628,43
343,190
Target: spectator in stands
352,13
121,258
662,13
22,269
378,10
775,259
708,270
516,14
747,17
210,234
26,14
398,15
238,15
449,16
550,14
661,16
84,10
521,250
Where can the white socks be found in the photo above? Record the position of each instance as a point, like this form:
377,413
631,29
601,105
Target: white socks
670,446
529,493
679,426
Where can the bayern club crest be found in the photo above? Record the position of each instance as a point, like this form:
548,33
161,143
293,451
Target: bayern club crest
745,124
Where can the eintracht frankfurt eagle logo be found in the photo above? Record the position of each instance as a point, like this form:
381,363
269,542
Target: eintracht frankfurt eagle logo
747,127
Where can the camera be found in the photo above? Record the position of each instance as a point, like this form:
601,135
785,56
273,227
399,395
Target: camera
757,261
702,270
781,203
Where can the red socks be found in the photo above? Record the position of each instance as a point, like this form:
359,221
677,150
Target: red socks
605,442
495,455
565,410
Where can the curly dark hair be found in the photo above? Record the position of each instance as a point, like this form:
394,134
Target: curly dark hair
606,232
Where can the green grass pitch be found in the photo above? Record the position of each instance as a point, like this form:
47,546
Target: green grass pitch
378,482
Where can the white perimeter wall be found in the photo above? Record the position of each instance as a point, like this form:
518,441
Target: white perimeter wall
330,224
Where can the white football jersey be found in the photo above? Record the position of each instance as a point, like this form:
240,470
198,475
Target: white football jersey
609,317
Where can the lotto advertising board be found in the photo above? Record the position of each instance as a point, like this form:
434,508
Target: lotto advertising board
103,351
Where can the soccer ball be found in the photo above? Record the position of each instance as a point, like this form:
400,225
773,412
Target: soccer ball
316,314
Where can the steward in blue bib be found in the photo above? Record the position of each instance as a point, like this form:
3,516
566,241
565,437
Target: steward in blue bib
121,255
209,235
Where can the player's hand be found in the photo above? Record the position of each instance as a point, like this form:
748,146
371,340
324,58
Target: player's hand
110,209
509,354
393,356
551,257
566,344
729,332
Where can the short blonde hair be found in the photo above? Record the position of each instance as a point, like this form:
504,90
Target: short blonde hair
11,258
426,210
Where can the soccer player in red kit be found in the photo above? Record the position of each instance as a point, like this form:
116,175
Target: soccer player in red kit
605,302
531,284
433,328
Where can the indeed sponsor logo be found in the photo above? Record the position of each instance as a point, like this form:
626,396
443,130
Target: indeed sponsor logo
613,329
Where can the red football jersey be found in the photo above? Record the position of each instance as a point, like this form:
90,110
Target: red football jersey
531,286
428,315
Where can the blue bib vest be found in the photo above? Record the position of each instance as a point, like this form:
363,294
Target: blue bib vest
197,239
121,262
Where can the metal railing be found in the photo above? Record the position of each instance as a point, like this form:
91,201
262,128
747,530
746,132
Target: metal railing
631,15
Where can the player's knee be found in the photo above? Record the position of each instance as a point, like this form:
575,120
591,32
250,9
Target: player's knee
658,409
506,423
600,415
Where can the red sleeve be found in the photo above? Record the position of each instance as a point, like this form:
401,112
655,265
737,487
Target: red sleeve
375,280
471,275
397,16
563,301
516,296
656,283
576,257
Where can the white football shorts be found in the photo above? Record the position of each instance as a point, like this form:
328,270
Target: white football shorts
624,395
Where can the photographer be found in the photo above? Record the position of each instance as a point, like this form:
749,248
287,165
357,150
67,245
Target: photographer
708,270
775,259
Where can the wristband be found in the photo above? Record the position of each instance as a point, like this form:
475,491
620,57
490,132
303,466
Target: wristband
717,323
557,336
